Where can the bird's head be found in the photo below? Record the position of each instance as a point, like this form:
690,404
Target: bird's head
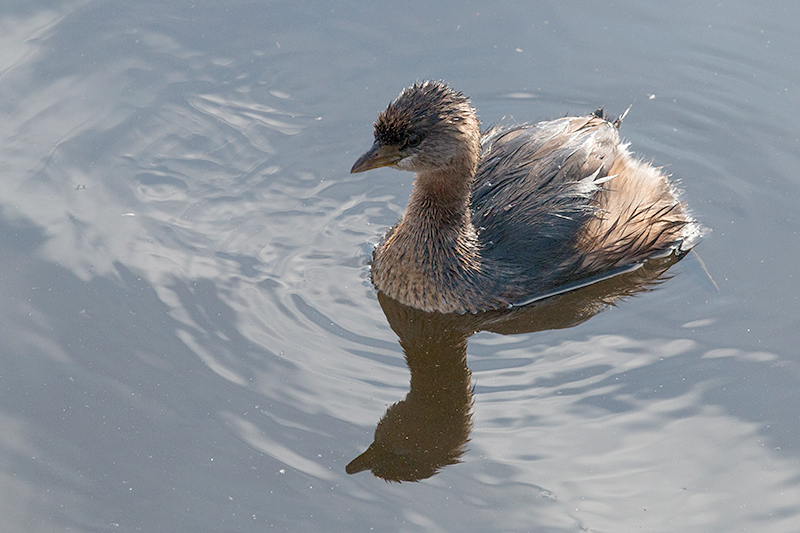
428,128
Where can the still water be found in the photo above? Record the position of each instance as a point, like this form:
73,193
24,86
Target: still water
189,338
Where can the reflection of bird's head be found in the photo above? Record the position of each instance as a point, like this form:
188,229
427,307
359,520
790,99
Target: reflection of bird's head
429,127
414,440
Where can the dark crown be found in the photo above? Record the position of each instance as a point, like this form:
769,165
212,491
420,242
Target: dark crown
420,107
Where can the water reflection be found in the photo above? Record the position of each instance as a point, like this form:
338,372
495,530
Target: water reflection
430,428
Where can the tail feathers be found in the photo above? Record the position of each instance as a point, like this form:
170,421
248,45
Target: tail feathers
617,122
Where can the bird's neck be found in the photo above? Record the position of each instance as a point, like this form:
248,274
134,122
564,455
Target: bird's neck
431,259
438,215
440,202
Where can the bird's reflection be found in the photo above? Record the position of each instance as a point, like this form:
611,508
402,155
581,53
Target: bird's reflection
430,428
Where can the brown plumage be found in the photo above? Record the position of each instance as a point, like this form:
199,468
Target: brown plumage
496,219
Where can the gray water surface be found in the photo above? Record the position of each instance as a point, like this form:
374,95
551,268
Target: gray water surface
189,338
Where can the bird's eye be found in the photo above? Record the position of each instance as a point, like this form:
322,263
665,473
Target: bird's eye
413,140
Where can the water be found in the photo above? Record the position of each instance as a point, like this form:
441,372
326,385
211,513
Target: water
190,340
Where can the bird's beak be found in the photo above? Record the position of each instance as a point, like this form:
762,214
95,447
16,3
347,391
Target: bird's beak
376,157
365,461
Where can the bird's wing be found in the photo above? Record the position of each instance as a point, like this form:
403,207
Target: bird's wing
534,188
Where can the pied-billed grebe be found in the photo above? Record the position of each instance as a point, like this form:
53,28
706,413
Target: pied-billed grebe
520,210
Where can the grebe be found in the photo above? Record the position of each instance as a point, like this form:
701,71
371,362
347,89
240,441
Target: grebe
497,218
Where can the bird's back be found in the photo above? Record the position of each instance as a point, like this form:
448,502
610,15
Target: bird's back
561,200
